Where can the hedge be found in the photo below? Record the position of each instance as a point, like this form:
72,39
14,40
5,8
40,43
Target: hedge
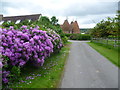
78,36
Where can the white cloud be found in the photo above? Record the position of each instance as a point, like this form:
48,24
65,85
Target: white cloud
88,21
87,25
84,11
17,12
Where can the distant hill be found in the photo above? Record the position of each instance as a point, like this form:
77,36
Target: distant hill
85,30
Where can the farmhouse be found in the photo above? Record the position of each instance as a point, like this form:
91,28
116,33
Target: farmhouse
32,17
70,28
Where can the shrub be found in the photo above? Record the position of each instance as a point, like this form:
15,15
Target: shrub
56,40
64,39
26,44
68,34
84,37
78,36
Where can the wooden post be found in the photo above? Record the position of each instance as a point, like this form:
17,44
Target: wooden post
115,43
91,39
107,41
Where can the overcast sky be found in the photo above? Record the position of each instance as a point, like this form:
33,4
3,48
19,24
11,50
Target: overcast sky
86,12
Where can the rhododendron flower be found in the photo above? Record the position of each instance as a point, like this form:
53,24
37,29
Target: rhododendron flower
10,33
5,73
1,64
22,63
5,80
47,48
11,27
27,45
24,36
36,37
38,60
24,26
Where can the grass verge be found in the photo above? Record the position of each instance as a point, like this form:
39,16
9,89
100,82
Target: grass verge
110,53
47,76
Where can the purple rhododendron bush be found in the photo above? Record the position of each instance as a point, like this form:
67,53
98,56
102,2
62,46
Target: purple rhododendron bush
27,44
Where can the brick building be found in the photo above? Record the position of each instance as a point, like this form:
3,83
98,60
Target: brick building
70,28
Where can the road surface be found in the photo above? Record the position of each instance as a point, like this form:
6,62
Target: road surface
86,68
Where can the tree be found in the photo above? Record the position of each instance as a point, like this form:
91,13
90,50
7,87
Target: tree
44,21
54,21
106,28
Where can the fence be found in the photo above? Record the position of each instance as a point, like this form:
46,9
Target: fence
106,41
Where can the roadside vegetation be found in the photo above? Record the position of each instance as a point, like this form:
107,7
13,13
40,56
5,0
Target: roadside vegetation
105,38
110,53
33,53
78,36
48,76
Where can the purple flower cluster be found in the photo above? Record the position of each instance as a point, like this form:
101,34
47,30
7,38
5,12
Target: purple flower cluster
56,39
5,75
21,46
26,44
1,64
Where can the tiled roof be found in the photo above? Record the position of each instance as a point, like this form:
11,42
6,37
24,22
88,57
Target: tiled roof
22,17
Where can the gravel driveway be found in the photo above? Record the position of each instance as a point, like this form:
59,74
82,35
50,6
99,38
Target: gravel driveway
86,68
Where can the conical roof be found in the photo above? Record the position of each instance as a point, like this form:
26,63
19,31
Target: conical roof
70,28
66,26
75,27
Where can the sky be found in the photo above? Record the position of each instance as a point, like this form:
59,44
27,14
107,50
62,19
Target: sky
86,12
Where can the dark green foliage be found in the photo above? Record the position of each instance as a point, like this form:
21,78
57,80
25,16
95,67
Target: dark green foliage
15,70
17,25
44,20
67,34
54,21
106,28
78,36
8,24
65,39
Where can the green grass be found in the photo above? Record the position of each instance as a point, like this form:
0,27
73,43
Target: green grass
51,72
110,53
